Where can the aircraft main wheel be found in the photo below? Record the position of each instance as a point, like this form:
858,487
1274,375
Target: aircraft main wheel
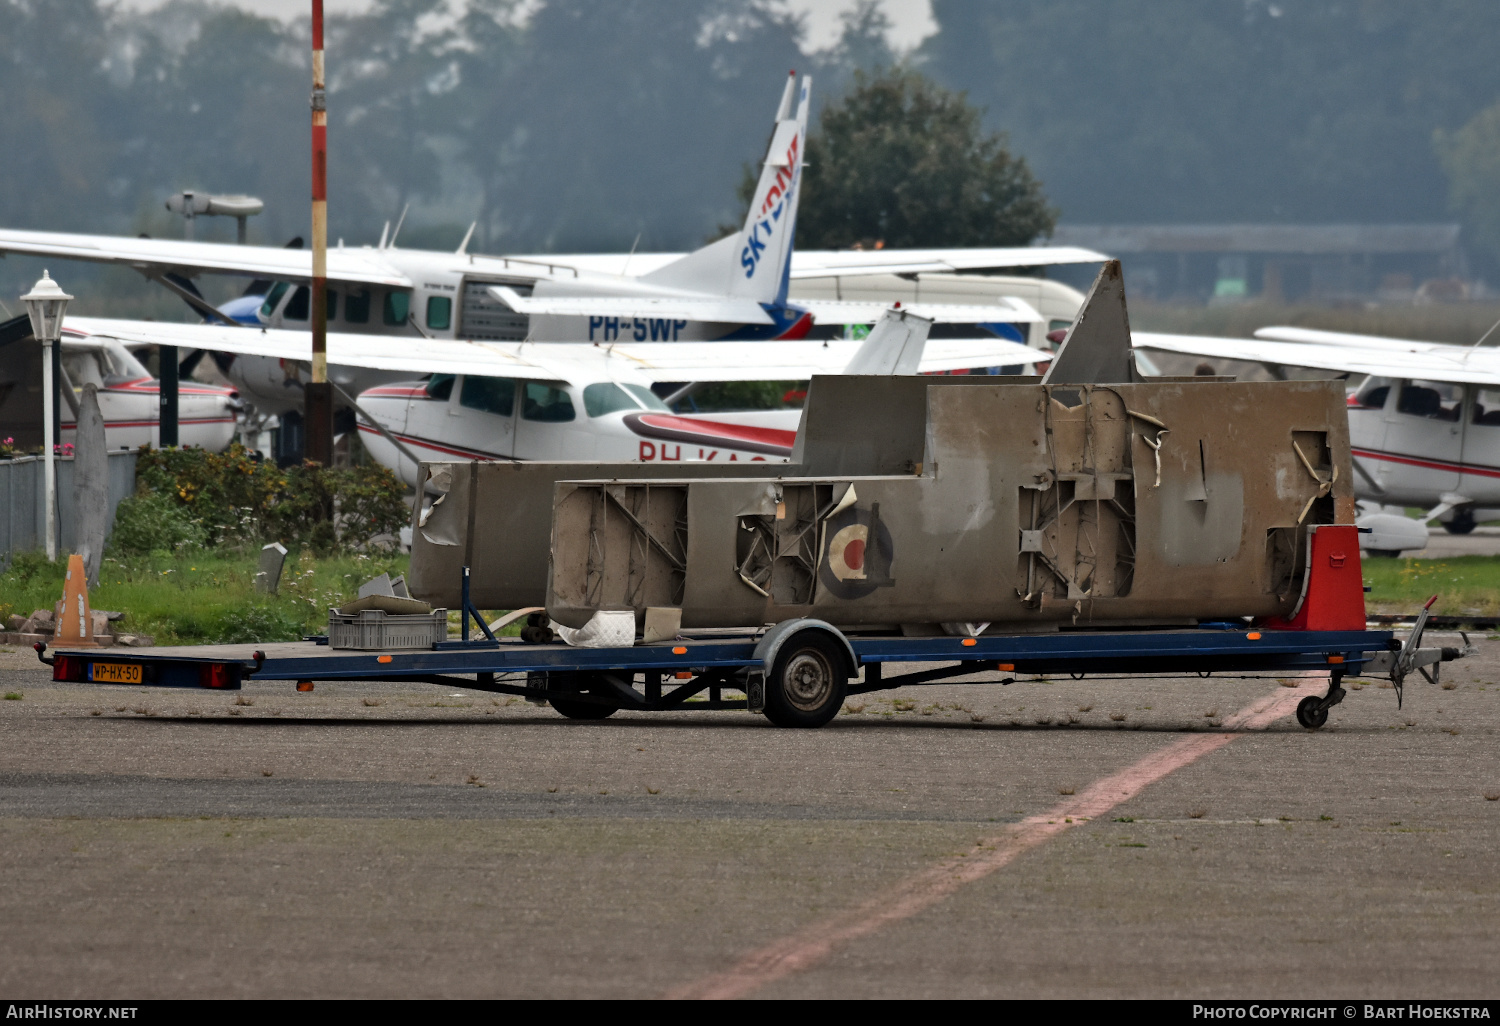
807,682
1311,714
574,708
1461,524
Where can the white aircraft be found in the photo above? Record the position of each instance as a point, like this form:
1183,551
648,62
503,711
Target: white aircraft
736,289
551,401
129,397
1424,424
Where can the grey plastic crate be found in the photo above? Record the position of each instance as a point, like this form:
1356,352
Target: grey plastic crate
375,629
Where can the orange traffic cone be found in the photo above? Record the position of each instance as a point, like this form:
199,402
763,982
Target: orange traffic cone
75,628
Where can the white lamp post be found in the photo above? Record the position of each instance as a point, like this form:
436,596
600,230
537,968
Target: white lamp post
45,304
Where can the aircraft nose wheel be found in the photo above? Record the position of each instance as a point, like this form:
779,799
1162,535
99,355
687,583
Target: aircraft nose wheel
1311,713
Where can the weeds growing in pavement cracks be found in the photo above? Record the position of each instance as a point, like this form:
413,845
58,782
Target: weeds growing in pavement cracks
1197,813
1066,790
1492,796
13,696
1117,717
1085,708
242,700
372,702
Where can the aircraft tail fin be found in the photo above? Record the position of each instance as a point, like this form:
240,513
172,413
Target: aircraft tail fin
1097,348
894,345
756,263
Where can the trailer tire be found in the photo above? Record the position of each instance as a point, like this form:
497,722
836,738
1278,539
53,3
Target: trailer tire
573,708
807,682
1311,714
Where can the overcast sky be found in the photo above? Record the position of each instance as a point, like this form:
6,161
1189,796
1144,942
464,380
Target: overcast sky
911,19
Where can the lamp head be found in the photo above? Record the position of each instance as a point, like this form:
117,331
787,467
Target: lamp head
45,304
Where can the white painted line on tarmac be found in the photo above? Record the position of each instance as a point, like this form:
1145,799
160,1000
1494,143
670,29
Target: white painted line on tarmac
800,951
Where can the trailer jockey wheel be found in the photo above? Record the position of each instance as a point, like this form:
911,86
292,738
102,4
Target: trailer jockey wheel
573,708
807,682
1311,714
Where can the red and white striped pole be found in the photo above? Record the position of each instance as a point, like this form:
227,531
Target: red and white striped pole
318,398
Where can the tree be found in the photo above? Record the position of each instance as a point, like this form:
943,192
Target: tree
901,161
1471,159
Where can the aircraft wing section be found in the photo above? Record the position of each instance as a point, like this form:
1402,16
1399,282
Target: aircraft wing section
1447,363
408,355
1343,338
844,263
1005,310
352,265
689,308
790,361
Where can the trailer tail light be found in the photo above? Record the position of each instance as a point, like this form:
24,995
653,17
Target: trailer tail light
1335,660
69,668
304,686
215,675
683,675
1006,667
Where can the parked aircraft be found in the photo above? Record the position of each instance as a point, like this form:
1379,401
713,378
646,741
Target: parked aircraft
735,289
548,401
129,397
1424,423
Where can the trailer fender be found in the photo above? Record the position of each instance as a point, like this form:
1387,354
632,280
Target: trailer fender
770,643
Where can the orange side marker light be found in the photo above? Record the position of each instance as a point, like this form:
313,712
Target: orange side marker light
1335,659
382,659
680,650
304,685
1253,635
1006,667
683,675
970,643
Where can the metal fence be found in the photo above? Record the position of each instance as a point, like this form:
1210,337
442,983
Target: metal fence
23,512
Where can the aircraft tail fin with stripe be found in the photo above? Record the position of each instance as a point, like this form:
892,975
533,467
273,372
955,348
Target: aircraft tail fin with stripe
756,262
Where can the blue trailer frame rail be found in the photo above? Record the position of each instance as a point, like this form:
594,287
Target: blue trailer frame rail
806,658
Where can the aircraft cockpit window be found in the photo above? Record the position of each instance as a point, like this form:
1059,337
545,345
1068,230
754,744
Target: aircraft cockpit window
546,403
489,395
397,306
82,368
440,387
357,307
606,397
296,307
439,312
273,298
1437,400
1372,394
1487,407
647,398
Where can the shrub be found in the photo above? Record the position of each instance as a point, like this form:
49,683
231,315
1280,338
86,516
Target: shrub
258,624
147,523
241,500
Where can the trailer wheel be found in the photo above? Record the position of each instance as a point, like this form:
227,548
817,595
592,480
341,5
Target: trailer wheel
573,708
807,682
1311,714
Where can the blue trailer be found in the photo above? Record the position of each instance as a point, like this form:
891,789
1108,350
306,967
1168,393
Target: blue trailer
797,672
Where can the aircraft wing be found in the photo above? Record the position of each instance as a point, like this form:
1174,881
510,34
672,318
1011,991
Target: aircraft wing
643,362
798,361
830,263
416,356
1343,338
687,308
844,263
1005,310
351,265
1428,361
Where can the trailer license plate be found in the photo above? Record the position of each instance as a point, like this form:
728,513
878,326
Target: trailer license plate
115,673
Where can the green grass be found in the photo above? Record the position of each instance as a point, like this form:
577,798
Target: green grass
203,597
1463,584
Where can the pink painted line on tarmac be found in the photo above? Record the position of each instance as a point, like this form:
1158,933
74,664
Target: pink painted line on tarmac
812,944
